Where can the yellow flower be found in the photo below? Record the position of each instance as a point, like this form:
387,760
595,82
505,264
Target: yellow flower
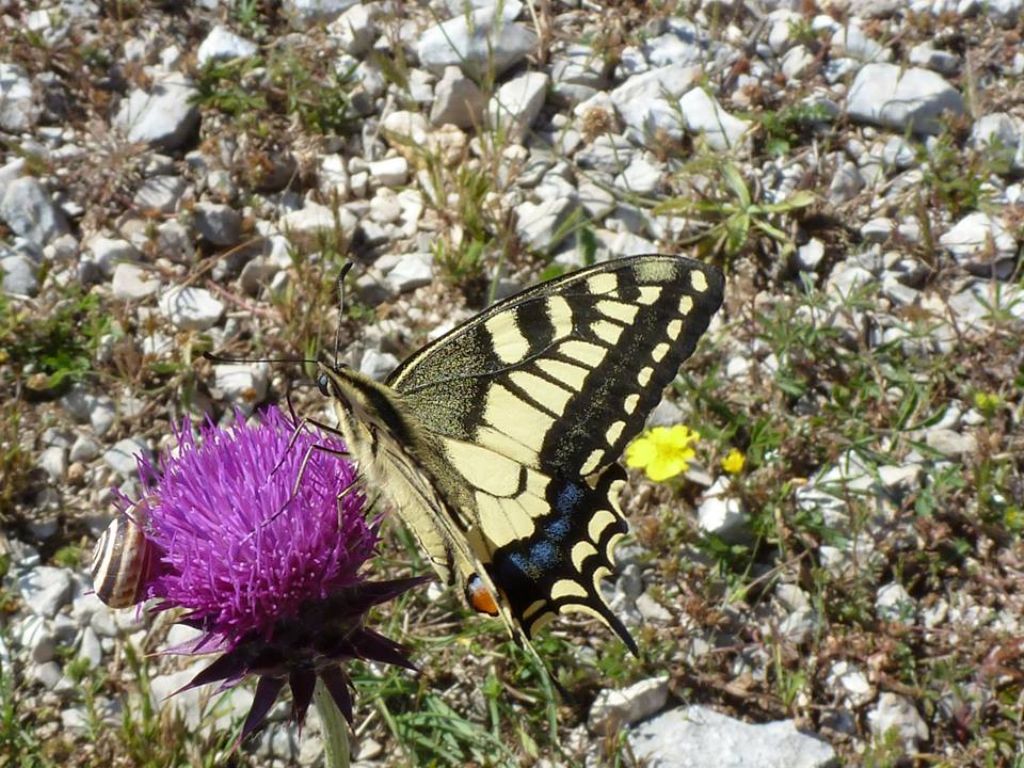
663,452
987,402
734,461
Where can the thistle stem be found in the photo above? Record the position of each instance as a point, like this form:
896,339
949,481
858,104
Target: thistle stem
335,729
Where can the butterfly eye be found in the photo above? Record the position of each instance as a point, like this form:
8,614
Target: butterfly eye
324,384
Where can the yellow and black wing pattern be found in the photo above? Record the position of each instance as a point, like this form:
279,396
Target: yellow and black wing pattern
528,407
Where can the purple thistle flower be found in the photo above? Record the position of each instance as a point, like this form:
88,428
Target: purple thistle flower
256,531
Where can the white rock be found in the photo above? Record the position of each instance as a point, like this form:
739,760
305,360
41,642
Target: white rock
107,252
390,172
810,254
84,449
402,128
102,415
976,304
221,185
20,275
27,209
625,244
980,243
376,364
305,13
164,117
19,108
612,710
333,178
160,194
46,589
850,40
595,199
1004,12
704,115
517,104
36,636
89,648
132,282
221,43
174,243
510,9
846,279
797,627
458,100
242,384
852,683
797,63
190,308
641,177
53,461
898,293
608,154
257,274
217,223
308,225
578,71
951,443
413,270
537,224
384,207
478,43
648,103
900,478
359,183
914,99
698,737
783,22
1001,136
894,603
355,30
895,713
791,597
48,675
671,48
121,457
943,62
846,183
722,514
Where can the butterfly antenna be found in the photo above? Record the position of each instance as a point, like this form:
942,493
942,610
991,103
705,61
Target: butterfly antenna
346,268
215,358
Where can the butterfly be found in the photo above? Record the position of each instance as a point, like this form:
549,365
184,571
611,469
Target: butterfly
497,444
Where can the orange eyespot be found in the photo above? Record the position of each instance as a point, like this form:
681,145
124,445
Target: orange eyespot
480,597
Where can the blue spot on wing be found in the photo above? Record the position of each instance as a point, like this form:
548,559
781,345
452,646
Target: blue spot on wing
540,555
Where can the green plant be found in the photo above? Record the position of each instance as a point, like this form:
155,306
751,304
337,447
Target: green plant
15,460
309,88
732,216
43,353
954,180
219,86
249,16
18,745
789,126
70,556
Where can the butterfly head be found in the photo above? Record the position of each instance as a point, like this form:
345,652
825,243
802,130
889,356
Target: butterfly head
365,409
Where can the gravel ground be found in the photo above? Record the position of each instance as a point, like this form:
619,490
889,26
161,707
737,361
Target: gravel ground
177,178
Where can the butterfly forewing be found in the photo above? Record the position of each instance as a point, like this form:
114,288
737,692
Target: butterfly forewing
532,403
